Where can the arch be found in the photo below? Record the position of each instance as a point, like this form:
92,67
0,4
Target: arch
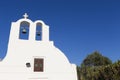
24,30
39,21
38,35
22,20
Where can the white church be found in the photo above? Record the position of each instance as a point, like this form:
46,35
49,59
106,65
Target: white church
32,56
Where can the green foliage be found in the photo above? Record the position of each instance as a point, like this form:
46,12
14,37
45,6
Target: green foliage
98,71
96,59
108,72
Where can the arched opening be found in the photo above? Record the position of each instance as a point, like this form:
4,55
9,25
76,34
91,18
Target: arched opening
38,31
24,30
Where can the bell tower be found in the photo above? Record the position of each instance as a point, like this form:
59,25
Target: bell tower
25,34
25,29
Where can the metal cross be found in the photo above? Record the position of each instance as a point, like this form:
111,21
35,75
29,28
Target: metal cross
25,15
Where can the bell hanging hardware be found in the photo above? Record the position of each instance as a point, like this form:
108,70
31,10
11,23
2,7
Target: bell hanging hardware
24,31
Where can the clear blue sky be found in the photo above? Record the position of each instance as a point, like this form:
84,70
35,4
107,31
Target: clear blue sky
78,27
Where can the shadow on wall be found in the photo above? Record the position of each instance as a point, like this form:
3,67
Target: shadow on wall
0,59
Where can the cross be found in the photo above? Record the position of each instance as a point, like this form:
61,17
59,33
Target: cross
25,15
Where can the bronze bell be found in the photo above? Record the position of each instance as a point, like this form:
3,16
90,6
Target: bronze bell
24,31
38,33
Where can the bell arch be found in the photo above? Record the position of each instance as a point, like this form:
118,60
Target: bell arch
39,32
24,30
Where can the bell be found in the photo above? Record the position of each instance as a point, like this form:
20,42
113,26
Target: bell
38,33
24,31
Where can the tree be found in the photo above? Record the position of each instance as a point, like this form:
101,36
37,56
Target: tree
96,59
98,67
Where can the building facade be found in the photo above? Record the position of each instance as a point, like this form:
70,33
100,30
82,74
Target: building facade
32,56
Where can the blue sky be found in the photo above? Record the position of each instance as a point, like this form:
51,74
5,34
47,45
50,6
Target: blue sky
77,27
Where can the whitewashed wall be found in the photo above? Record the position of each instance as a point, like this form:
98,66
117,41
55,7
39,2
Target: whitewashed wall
56,64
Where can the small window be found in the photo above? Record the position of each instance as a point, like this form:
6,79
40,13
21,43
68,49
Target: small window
28,65
39,31
38,65
24,30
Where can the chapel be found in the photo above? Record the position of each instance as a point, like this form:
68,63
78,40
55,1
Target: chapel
32,56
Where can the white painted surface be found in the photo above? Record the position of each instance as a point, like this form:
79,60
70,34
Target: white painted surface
56,64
